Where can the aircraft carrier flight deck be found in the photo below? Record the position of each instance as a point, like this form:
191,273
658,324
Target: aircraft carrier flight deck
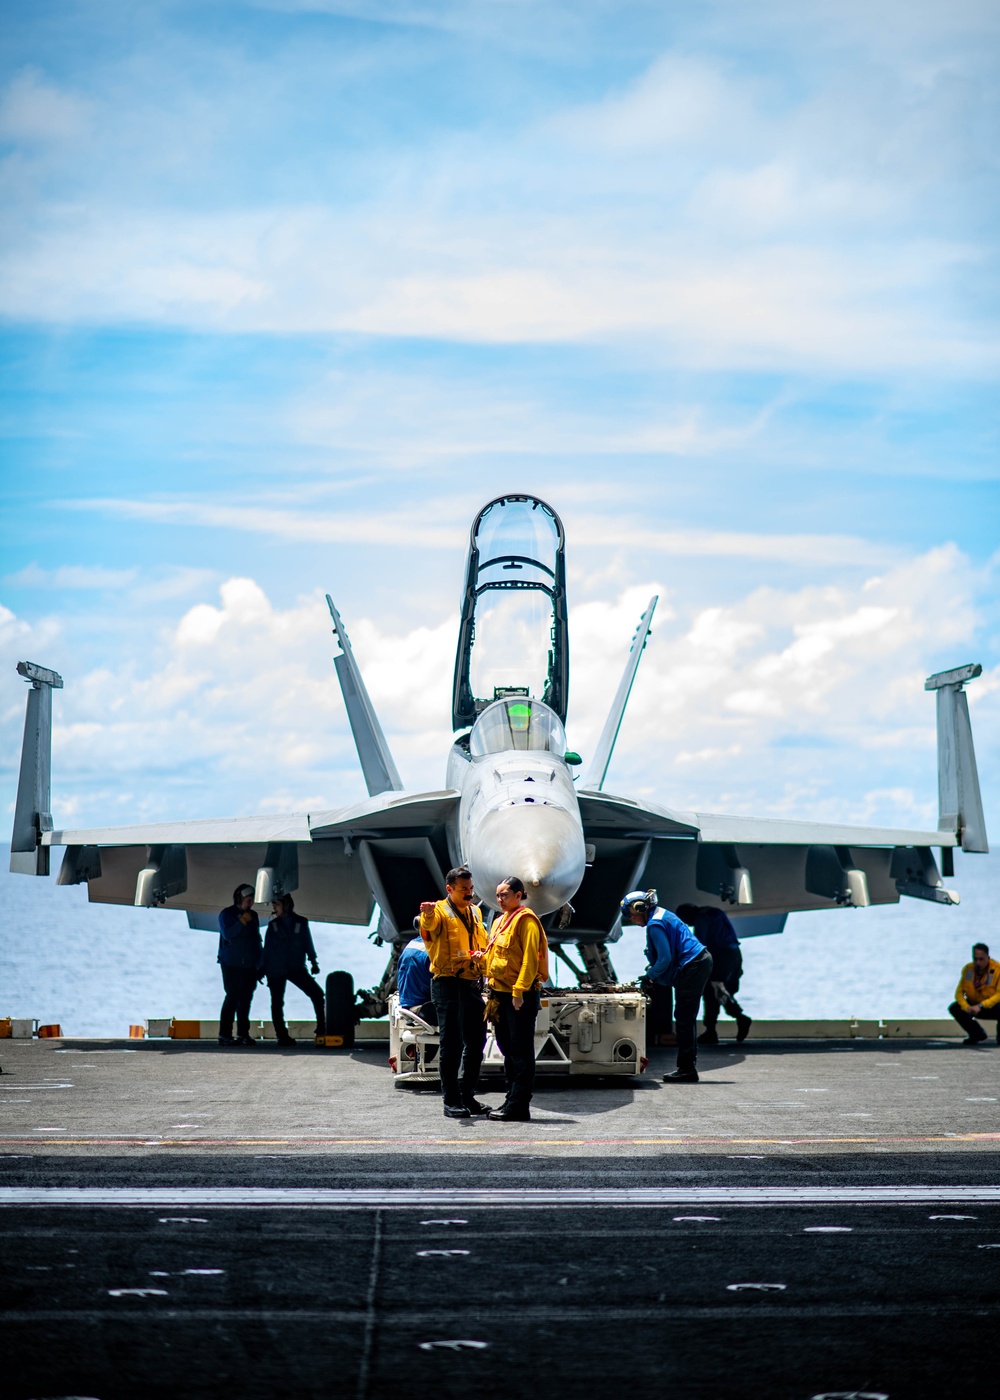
819,1218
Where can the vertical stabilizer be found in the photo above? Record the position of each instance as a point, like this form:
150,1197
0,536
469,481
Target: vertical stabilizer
594,780
31,810
380,772
960,805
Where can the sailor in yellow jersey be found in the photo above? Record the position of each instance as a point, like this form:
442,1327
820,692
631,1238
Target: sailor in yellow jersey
452,930
977,996
517,964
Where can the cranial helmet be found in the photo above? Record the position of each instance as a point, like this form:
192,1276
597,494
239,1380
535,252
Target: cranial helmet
638,899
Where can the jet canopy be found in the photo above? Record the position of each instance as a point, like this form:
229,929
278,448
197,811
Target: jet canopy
513,637
517,723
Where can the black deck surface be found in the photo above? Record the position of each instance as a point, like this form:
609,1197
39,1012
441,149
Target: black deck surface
303,1303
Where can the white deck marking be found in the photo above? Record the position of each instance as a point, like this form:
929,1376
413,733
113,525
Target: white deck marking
370,1198
453,1346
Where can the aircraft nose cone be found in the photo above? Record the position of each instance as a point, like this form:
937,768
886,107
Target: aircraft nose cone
542,845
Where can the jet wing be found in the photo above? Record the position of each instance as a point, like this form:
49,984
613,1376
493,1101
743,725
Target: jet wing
325,858
751,866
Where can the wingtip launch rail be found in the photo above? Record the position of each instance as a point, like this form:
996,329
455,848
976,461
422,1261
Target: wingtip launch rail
377,766
609,734
32,810
960,803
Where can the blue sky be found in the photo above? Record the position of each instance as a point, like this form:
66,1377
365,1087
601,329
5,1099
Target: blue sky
289,290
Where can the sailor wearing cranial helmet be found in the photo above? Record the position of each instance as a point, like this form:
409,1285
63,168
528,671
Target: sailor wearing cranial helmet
676,959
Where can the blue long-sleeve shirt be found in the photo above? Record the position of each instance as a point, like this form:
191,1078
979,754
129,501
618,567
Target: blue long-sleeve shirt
239,937
413,974
287,943
715,930
669,945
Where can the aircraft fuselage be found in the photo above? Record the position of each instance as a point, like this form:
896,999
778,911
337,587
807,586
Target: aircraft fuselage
519,815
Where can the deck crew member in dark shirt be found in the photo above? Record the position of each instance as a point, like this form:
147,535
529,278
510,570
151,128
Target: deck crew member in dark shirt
715,930
287,944
676,959
239,955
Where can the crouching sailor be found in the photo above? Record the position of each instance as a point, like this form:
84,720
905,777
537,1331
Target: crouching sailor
516,963
977,996
676,958
239,954
453,930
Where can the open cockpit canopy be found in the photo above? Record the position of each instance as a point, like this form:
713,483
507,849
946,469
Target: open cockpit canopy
513,638
517,723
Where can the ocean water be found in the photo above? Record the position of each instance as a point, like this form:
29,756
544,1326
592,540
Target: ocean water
95,969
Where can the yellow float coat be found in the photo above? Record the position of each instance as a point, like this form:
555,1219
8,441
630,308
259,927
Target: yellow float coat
517,955
449,942
985,992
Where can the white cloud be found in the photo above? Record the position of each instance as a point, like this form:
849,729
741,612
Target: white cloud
421,527
318,527
677,100
72,576
716,219
34,111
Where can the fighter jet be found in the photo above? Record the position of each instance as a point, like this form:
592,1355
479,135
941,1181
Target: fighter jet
511,803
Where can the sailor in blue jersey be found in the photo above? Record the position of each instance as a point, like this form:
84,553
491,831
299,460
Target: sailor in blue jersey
676,959
239,954
413,980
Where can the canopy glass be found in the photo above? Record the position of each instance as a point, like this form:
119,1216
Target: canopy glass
516,723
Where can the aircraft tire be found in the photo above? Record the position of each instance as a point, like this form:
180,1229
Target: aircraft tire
340,1007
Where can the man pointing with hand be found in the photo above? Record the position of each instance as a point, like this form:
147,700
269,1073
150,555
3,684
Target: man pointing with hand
452,930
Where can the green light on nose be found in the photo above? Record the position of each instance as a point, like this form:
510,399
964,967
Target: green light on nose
520,716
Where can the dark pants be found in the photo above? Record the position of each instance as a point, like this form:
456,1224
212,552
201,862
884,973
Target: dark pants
463,1037
727,968
306,984
516,1038
239,983
971,1024
689,984
661,1011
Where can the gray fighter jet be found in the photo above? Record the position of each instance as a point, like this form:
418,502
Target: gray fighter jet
511,803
